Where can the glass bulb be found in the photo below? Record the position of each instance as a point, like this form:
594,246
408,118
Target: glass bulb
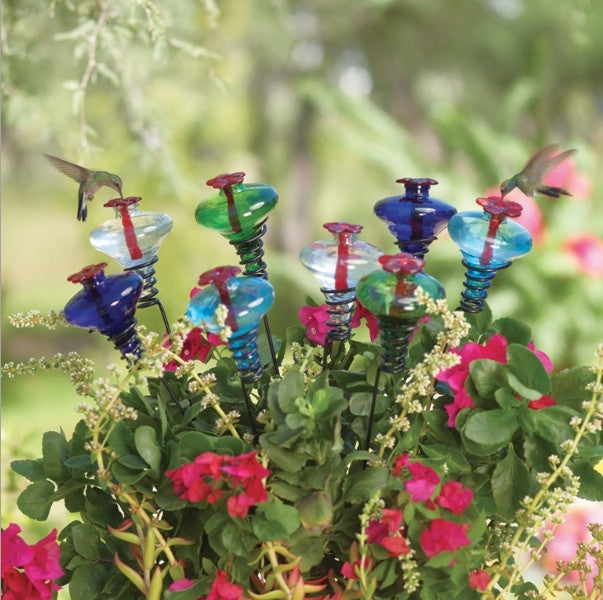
133,237
415,218
238,208
106,304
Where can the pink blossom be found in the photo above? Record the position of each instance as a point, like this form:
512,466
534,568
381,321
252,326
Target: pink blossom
494,349
28,571
371,320
222,589
479,580
568,534
542,402
443,536
586,250
348,569
423,478
181,584
455,497
315,319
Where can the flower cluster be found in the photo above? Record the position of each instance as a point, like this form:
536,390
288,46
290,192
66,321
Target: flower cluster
29,571
494,349
211,476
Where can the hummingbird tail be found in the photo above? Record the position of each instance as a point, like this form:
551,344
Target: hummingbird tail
552,192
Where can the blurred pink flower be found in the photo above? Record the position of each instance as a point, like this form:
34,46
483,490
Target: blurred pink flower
181,584
455,497
315,319
586,250
443,536
479,580
371,320
423,479
568,534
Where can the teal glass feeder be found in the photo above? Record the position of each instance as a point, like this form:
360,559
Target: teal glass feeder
245,300
488,241
390,294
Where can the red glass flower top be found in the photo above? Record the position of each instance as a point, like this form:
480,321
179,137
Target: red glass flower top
218,275
87,273
420,181
342,227
497,205
402,262
117,202
225,179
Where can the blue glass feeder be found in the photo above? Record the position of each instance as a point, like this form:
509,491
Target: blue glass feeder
338,264
390,294
415,219
133,238
246,300
107,304
489,241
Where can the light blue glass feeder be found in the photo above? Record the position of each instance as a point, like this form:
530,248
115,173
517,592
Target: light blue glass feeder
337,265
246,300
133,238
489,241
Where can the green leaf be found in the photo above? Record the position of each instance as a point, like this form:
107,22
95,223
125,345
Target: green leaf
514,331
290,388
360,403
487,376
30,469
145,441
591,481
569,386
360,486
274,520
491,428
510,483
315,511
529,373
86,582
86,540
193,443
55,451
454,458
229,445
285,459
100,508
237,540
442,559
34,501
552,423
480,322
192,593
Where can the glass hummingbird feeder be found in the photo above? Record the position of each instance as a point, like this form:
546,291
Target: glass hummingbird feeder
107,304
134,238
238,211
489,241
337,265
390,294
415,218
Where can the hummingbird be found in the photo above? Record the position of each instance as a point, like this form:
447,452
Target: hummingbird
529,179
90,181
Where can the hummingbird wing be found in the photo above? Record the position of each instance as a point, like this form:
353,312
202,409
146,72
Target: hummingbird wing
70,169
543,161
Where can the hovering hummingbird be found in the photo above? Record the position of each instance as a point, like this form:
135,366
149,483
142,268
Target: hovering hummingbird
529,179
90,182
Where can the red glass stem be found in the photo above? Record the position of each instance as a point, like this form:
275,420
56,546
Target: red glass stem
130,233
486,256
231,321
233,217
404,288
343,255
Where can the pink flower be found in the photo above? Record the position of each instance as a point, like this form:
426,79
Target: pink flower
479,580
348,569
195,346
586,250
387,532
28,571
455,497
423,481
181,584
494,349
371,320
443,536
542,402
315,319
222,589
567,535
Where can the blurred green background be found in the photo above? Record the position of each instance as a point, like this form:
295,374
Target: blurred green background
329,101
